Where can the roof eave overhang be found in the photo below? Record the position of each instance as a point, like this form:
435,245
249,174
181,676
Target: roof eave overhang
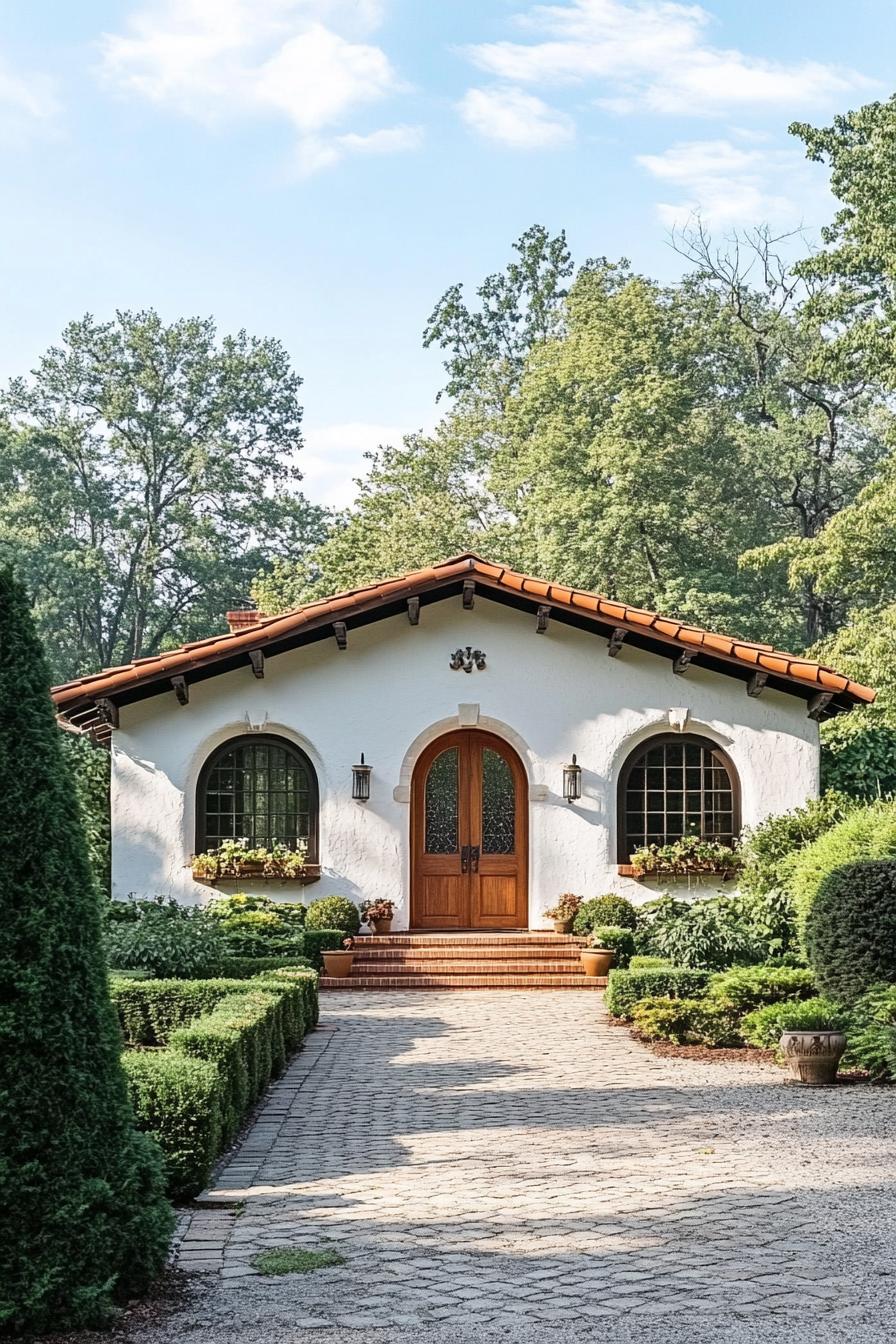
78,703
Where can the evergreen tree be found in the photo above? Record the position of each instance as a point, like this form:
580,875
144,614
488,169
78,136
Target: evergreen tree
83,1219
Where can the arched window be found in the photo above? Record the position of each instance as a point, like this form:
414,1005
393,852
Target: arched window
674,785
261,787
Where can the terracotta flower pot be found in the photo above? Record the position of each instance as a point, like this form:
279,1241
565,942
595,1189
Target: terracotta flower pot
813,1056
563,925
382,925
596,960
338,964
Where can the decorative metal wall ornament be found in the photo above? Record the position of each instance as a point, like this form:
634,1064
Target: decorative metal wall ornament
467,659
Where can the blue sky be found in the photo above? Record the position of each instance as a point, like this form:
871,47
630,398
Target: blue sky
321,170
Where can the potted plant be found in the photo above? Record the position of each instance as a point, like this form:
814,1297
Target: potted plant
379,915
812,1041
596,959
338,963
564,912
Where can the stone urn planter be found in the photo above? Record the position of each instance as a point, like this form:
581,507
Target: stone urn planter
563,925
596,960
813,1056
338,964
381,925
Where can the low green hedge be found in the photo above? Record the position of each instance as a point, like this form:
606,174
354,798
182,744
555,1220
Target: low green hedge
647,963
321,940
686,1021
218,1044
246,968
625,988
744,988
178,1101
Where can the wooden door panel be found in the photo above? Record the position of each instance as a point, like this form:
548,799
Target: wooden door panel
440,902
496,902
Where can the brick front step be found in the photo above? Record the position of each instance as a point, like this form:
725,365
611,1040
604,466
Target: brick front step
447,981
519,960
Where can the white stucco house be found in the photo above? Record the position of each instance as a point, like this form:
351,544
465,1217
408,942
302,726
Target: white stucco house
470,690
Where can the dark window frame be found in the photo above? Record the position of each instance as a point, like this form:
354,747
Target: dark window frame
636,757
259,739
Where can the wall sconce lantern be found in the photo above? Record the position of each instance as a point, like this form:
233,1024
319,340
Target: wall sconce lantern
572,780
361,781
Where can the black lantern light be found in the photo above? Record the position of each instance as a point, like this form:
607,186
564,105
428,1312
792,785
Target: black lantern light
572,780
361,781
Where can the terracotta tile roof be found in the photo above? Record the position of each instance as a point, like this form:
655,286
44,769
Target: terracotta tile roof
76,700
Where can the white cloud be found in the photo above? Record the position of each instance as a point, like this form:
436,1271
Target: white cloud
333,458
727,184
221,60
653,55
515,118
28,103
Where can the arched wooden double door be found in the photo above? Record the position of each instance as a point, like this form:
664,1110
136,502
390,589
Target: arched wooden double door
469,835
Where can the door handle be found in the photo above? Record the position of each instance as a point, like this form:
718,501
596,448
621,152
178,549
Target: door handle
474,858
465,858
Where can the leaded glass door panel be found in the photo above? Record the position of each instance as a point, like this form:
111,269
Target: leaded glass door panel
469,835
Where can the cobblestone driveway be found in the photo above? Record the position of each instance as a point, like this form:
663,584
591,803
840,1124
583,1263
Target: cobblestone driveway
509,1159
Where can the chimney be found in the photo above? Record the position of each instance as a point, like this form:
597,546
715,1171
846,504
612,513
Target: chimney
244,619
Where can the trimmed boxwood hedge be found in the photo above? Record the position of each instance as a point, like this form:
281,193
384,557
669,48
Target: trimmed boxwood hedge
246,968
219,1043
851,929
625,988
178,1101
317,941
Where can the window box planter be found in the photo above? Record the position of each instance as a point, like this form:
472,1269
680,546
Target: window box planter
243,871
682,872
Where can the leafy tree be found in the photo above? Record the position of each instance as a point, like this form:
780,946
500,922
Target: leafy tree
149,475
520,307
82,1215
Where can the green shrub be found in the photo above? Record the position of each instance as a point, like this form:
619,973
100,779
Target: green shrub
685,1022
149,1010
245,968
289,913
165,939
307,982
625,988
765,1026
871,1038
334,912
744,988
322,940
769,849
605,910
83,1218
646,963
178,1101
851,929
618,940
706,934
769,922
866,833
260,933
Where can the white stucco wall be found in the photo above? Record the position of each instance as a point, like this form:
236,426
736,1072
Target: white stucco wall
390,693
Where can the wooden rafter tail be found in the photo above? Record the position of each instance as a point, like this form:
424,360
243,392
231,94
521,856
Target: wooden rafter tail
107,711
615,642
256,658
340,633
414,610
683,662
757,684
542,617
181,690
469,593
819,703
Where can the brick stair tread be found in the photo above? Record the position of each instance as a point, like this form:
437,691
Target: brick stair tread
499,981
469,940
374,955
468,966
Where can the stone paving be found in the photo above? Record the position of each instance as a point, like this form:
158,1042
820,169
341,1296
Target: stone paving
488,1159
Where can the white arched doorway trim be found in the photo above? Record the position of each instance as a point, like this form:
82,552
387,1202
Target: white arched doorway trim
468,716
